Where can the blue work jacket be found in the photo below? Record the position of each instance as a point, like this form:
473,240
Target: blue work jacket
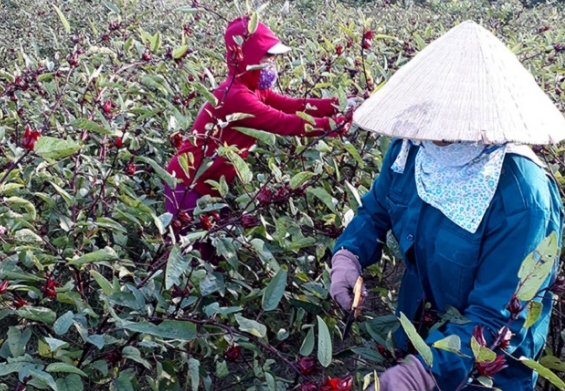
447,265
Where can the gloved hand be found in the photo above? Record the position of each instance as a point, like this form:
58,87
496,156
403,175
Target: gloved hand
408,376
346,269
345,122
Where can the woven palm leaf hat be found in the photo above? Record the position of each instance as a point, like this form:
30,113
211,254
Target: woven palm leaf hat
465,86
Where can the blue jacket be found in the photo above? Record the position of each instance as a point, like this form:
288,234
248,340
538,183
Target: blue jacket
475,273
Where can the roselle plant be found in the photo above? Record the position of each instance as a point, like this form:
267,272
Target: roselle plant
95,291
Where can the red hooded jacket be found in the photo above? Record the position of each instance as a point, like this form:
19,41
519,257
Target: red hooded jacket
270,111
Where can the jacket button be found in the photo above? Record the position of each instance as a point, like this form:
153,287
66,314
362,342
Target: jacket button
410,237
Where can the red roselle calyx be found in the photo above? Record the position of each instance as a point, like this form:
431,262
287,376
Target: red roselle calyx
19,303
249,221
339,50
308,387
205,222
264,197
29,139
113,356
308,366
504,340
131,169
489,369
514,307
107,106
479,336
118,142
215,215
232,353
176,140
4,286
337,384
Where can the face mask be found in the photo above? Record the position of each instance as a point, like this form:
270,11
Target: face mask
453,155
268,77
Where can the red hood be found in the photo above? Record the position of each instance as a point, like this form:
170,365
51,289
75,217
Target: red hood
253,49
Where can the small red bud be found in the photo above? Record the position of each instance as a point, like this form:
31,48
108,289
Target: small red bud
232,353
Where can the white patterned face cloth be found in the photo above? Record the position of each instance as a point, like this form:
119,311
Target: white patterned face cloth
459,179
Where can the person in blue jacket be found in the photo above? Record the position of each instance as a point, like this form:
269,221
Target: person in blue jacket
466,213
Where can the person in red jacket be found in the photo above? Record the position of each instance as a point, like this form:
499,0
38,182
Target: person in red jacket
247,92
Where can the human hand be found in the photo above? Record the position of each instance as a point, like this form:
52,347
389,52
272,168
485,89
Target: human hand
408,376
345,271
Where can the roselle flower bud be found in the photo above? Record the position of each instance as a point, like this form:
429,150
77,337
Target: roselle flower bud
337,384
119,142
215,215
308,366
29,139
366,43
184,217
107,106
489,369
131,168
349,43
176,140
479,335
514,307
368,34
113,356
308,387
249,221
19,303
232,353
4,286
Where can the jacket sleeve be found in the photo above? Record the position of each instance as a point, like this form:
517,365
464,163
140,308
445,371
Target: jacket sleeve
508,240
320,107
269,119
366,233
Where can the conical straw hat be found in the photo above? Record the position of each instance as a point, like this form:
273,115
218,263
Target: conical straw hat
465,86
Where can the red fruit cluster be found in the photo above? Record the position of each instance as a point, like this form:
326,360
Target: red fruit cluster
29,139
337,384
308,366
249,221
131,168
49,288
4,286
232,353
489,369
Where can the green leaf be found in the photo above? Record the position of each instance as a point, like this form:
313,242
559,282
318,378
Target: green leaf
55,148
243,171
179,51
275,290
43,377
253,23
207,94
308,343
134,354
416,340
40,314
106,254
176,266
69,200
54,343
534,312
485,381
64,367
324,343
85,124
64,20
552,362
300,178
451,343
62,325
543,372
102,282
70,383
268,138
22,203
536,268
17,340
194,370
186,9
307,117
111,7
251,326
170,329
324,196
160,171
353,151
482,353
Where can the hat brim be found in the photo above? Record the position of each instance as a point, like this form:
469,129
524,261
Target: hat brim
279,48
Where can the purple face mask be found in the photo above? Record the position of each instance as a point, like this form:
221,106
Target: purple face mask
268,77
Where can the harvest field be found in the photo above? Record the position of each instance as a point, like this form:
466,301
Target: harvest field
95,97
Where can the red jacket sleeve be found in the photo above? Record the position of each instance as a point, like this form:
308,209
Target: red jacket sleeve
271,120
323,107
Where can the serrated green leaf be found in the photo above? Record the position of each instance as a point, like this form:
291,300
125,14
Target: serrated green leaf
54,148
91,126
176,266
324,196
